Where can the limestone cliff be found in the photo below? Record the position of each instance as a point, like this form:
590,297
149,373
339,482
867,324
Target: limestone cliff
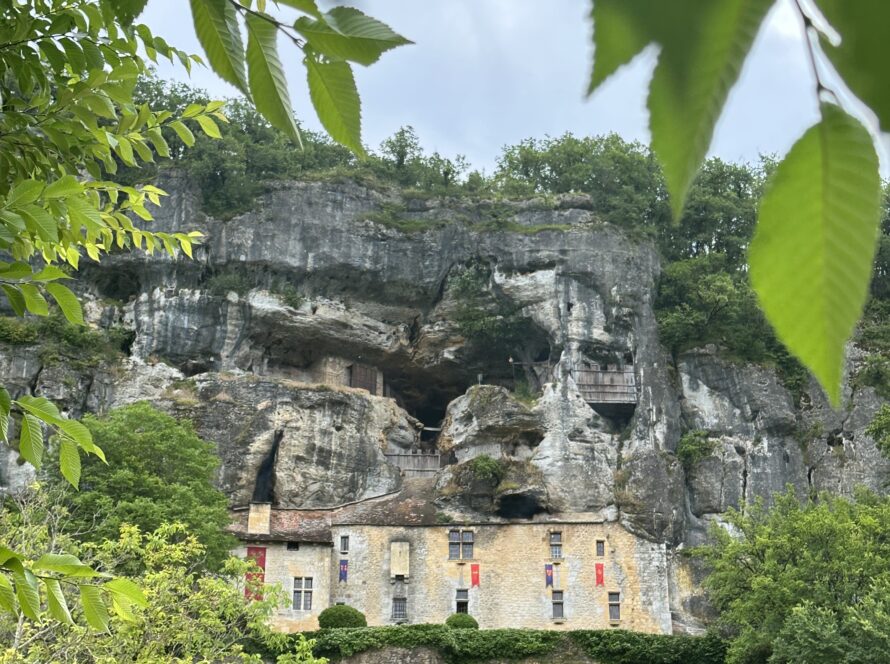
258,338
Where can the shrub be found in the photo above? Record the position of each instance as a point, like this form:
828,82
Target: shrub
341,616
693,447
224,282
461,621
486,468
18,332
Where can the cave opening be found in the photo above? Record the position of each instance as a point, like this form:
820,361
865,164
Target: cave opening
519,506
121,285
264,489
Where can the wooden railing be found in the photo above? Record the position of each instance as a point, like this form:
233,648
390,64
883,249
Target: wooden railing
607,385
415,465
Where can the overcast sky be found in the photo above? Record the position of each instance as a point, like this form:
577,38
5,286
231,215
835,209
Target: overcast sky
486,73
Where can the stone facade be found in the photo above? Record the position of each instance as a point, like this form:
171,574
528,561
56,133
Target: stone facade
385,564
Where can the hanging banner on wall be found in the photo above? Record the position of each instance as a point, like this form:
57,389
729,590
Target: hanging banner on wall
344,570
474,574
599,575
548,575
258,555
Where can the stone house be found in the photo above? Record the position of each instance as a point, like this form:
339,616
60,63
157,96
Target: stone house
394,559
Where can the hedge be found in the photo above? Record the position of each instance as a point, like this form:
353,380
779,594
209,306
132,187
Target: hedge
341,615
461,621
460,646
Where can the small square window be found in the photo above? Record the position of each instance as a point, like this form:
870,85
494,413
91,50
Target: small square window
399,609
344,543
600,548
558,605
293,546
462,601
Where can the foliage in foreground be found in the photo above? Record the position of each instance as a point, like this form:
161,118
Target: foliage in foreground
473,645
190,614
804,582
159,471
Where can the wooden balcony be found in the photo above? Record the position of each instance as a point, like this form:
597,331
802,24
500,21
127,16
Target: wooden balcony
609,390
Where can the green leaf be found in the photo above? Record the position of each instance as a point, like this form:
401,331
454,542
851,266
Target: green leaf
55,601
810,259
863,52
185,134
28,593
703,46
5,407
7,596
64,564
209,126
336,101
94,609
31,440
34,301
349,34
67,301
127,590
268,85
305,6
82,213
16,299
69,461
42,222
64,187
126,10
40,407
23,193
216,24
50,273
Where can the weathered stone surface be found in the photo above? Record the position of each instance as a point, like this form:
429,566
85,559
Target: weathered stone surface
371,294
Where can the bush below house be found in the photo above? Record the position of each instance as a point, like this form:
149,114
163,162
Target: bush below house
469,645
341,616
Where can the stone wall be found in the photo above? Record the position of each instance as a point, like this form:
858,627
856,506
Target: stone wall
282,566
512,590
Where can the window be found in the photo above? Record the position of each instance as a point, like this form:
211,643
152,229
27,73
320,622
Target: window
293,546
462,601
614,606
556,545
344,543
453,544
601,548
460,544
399,609
558,612
467,544
303,593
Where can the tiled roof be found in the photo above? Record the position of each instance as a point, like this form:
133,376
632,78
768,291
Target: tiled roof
412,506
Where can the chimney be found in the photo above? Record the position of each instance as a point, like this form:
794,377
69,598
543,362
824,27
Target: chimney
258,518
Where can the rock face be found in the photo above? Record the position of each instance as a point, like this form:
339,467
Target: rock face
238,340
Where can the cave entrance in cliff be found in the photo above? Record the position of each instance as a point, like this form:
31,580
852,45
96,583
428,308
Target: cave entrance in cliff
264,488
519,506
